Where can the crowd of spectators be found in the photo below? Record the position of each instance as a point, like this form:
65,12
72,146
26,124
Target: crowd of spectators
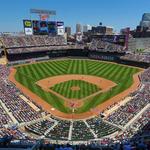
100,127
137,57
142,123
14,132
32,41
81,135
4,118
103,46
129,110
24,44
41,127
57,129
9,95
145,77
60,131
140,99
139,128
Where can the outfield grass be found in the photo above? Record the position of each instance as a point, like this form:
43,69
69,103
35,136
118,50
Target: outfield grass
85,90
28,75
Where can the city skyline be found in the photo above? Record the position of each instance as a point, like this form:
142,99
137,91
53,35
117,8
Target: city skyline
115,14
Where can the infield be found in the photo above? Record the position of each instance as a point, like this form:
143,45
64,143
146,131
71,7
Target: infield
75,86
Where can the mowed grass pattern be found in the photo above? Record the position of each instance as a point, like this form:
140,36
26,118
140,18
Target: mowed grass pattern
28,75
85,89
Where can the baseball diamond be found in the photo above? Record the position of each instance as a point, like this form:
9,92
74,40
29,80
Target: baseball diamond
120,75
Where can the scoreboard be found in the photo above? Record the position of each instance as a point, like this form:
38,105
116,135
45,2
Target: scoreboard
36,28
52,27
47,27
44,27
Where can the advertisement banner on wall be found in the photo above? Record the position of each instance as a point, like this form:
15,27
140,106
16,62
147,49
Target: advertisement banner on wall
60,24
28,31
60,31
28,27
60,28
27,23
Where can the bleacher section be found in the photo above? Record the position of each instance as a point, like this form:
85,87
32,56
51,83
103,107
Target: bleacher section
139,44
99,45
137,57
11,42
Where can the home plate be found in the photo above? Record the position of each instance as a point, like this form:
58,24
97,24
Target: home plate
52,109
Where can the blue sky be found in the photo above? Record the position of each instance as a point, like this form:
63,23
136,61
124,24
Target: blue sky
115,13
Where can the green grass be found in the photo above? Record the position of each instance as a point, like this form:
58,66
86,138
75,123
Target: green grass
28,75
86,89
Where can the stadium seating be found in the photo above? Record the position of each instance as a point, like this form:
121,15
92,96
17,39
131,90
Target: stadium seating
60,131
80,135
137,57
40,127
99,45
101,128
24,44
145,77
10,97
4,118
125,113
30,41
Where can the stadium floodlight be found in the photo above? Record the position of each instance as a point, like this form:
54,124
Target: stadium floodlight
40,11
43,14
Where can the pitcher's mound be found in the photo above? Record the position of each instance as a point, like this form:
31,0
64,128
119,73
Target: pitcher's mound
75,88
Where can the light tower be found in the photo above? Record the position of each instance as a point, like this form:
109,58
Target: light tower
43,14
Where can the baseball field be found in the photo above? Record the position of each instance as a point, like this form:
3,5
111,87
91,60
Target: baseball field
75,84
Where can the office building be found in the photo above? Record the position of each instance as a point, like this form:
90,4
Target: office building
68,31
78,28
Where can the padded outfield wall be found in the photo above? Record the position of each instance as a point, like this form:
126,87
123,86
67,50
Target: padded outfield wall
77,53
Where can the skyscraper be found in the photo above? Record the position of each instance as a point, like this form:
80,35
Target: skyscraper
78,28
86,28
68,31
145,22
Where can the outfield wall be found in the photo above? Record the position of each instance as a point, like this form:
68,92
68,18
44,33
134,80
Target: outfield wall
77,53
50,54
